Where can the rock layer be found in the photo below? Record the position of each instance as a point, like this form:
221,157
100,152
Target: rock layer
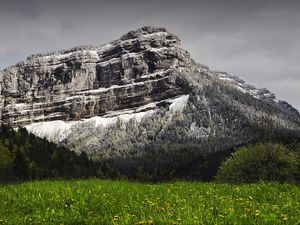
83,82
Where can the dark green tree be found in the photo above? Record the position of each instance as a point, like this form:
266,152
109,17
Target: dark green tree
20,165
5,162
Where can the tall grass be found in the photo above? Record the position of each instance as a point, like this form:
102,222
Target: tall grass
97,201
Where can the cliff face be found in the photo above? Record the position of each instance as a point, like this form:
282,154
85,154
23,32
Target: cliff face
143,89
83,82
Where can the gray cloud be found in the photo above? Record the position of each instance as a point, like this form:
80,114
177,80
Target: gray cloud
255,40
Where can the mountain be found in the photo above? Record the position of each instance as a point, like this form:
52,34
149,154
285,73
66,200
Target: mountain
140,98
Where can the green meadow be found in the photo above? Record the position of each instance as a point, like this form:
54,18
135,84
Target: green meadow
96,201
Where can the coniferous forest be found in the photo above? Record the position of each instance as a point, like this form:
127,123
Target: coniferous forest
24,156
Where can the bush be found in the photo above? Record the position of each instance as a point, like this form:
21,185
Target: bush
260,162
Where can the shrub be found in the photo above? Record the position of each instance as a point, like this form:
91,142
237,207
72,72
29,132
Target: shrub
260,162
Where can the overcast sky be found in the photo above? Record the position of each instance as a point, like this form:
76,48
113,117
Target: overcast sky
257,40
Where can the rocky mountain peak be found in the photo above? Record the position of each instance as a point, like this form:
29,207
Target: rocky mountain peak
149,30
136,91
86,81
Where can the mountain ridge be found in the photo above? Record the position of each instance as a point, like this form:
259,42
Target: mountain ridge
98,69
144,89
135,33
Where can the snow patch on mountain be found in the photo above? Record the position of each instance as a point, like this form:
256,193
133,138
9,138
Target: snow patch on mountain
178,104
261,94
58,130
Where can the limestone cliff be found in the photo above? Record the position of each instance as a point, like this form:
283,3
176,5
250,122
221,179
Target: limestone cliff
114,100
83,82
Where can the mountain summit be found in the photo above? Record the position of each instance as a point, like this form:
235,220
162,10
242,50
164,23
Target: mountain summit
117,100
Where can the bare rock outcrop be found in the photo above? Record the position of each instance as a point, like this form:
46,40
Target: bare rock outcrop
82,82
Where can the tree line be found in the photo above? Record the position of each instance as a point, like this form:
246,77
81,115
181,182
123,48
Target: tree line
24,156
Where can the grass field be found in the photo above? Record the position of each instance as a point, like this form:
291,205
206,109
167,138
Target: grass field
120,202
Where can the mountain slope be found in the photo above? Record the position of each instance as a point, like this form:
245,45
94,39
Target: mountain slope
140,98
24,156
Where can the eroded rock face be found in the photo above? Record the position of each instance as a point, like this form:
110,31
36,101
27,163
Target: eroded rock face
144,89
139,68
